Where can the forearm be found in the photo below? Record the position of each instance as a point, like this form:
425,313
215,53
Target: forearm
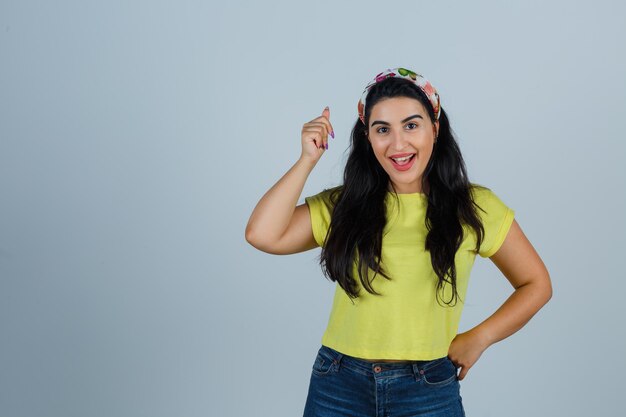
273,212
514,313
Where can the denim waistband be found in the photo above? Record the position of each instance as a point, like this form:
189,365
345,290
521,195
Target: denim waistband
408,366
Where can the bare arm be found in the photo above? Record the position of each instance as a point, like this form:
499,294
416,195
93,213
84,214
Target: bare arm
276,224
524,269
521,265
273,214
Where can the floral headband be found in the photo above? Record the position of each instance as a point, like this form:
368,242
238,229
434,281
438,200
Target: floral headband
416,78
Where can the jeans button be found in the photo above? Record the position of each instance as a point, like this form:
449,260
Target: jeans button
377,369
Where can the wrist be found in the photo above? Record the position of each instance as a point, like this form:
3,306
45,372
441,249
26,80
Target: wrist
305,160
483,335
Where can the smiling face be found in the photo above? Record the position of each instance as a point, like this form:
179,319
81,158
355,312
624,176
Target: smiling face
399,127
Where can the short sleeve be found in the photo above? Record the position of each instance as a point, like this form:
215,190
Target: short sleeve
320,210
497,219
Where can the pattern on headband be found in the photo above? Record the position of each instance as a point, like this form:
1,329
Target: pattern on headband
418,79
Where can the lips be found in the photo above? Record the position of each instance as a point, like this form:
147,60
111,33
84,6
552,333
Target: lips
403,166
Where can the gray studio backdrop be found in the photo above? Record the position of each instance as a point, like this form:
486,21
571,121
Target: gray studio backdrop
137,137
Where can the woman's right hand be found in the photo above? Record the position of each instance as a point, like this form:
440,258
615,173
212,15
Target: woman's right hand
315,136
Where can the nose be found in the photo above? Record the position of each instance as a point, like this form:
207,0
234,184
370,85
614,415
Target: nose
399,141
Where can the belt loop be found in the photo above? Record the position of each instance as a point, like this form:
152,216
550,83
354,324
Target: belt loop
417,371
338,359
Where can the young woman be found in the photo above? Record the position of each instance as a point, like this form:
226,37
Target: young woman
399,237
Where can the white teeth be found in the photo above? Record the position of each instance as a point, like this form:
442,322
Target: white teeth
403,159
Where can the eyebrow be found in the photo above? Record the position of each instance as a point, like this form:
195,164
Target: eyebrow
380,122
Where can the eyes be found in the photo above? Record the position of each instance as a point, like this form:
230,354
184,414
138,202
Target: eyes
408,124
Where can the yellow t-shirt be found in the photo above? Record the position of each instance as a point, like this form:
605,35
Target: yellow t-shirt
406,322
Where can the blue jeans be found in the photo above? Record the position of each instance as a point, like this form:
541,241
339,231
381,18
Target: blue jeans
343,385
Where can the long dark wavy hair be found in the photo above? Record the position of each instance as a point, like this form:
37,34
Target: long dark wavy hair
358,216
